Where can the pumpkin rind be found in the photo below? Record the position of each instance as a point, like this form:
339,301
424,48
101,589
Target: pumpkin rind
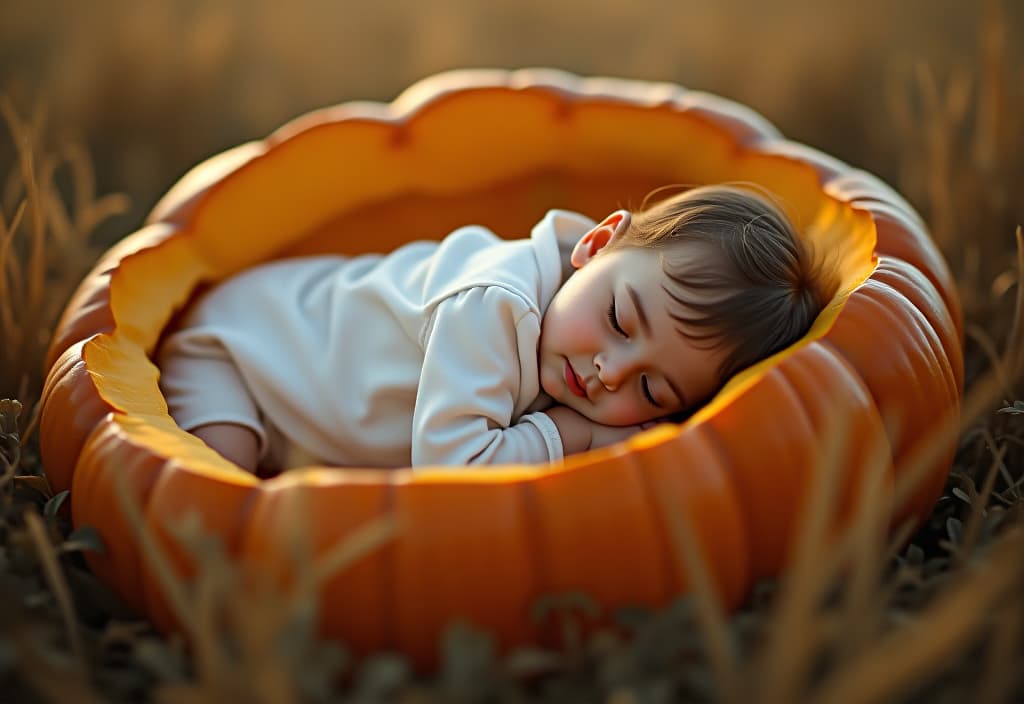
882,361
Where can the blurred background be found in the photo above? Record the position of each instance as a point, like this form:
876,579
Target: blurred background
151,88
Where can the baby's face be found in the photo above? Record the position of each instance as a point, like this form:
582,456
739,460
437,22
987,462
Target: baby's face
610,350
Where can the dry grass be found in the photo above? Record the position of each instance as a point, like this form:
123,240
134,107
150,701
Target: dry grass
44,244
935,616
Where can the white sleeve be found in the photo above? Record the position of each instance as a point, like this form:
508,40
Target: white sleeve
469,383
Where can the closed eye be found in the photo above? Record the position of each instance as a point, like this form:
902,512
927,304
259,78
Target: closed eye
647,392
614,319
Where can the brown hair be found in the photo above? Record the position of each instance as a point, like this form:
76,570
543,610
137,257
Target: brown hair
769,289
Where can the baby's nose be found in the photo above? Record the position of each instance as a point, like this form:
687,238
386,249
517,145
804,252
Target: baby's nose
612,371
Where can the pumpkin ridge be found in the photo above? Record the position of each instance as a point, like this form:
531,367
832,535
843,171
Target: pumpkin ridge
897,434
533,532
389,569
910,318
672,574
905,441
899,237
789,377
936,363
934,347
859,185
141,471
861,421
714,440
68,391
659,529
911,284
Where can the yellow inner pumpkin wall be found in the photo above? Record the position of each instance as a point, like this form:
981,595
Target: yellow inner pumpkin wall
370,186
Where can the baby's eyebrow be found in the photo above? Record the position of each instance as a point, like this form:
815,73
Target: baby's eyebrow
641,313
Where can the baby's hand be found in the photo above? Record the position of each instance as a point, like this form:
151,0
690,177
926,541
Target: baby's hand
579,433
604,435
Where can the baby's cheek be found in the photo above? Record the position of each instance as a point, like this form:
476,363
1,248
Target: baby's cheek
627,412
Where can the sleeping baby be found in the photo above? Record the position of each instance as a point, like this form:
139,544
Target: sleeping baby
479,350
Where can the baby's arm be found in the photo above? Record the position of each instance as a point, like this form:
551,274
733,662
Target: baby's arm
475,347
471,371
235,442
579,433
573,427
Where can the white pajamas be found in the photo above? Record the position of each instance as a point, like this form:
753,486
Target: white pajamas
424,356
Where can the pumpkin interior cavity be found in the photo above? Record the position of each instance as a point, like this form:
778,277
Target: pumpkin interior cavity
371,185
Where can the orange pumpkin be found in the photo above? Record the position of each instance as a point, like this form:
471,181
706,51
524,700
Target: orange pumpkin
499,148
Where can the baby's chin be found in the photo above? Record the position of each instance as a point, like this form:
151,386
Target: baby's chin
548,385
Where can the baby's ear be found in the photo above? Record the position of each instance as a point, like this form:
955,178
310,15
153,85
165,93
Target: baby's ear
600,236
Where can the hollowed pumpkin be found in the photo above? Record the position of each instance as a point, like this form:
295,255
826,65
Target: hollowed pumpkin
498,148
